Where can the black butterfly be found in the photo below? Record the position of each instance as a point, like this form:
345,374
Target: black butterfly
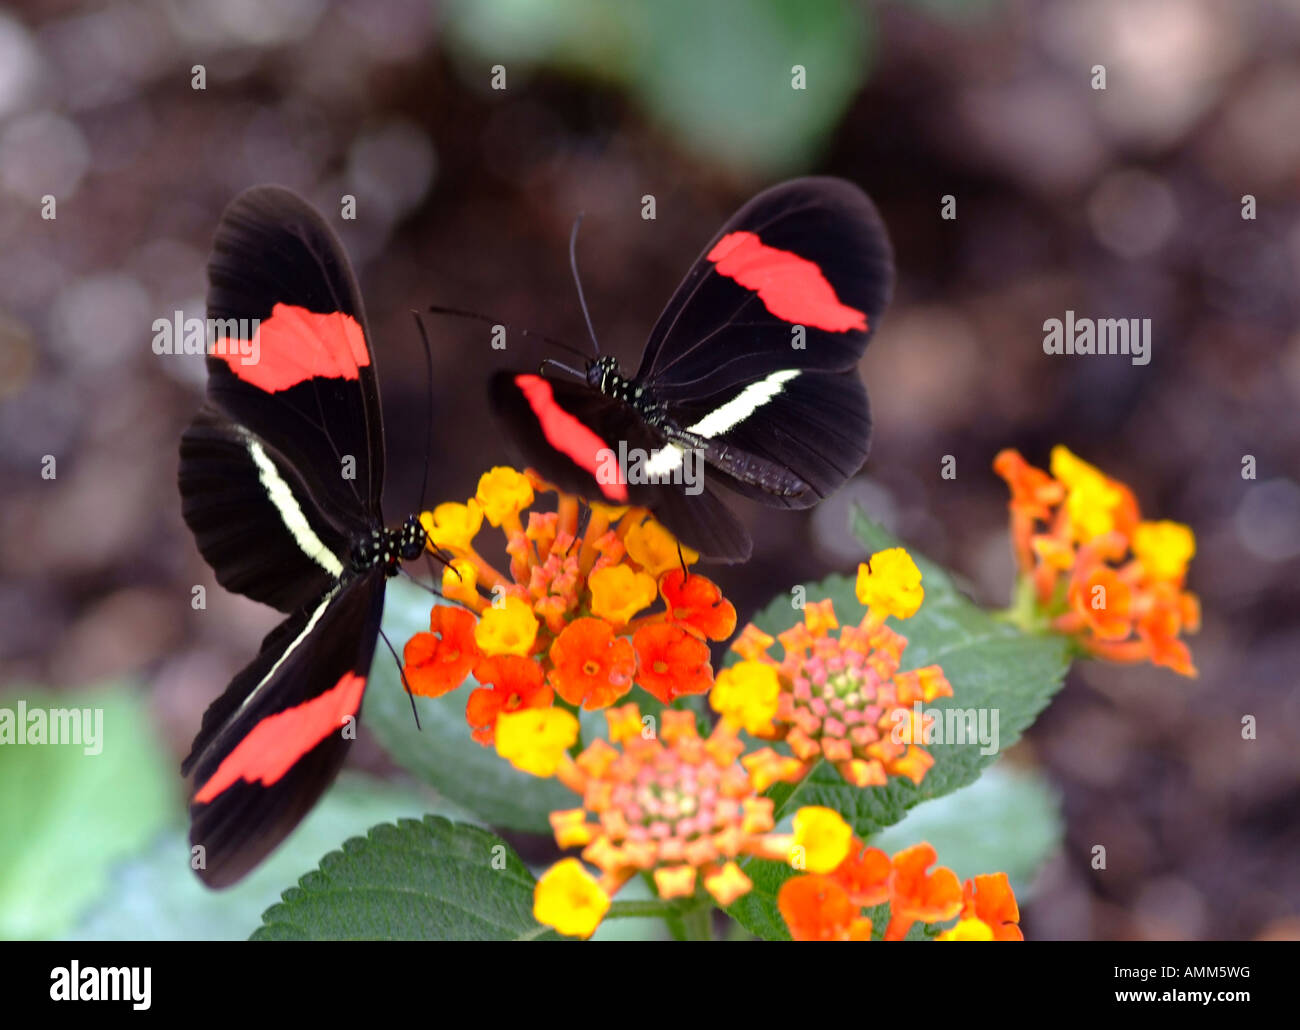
281,474
750,374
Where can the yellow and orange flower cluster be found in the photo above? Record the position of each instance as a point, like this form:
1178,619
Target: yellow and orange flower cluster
659,800
572,617
1094,569
829,906
837,696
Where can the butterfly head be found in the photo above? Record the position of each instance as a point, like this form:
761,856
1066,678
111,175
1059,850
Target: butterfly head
603,373
411,539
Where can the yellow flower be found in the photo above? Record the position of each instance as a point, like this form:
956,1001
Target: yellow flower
968,930
509,629
824,837
1092,498
459,581
453,526
891,582
746,695
1164,548
503,493
568,899
535,740
618,593
652,547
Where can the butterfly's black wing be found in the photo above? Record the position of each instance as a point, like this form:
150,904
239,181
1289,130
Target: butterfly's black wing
275,739
755,356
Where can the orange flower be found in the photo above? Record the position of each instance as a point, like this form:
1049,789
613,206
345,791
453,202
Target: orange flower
697,604
591,667
512,683
438,661
916,894
1104,602
989,899
671,662
816,908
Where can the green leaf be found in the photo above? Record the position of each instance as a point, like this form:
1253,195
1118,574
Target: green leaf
443,754
993,667
154,896
69,815
719,75
416,880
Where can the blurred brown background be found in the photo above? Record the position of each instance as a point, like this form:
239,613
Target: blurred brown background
1123,202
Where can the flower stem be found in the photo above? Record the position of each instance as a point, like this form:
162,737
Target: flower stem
1024,612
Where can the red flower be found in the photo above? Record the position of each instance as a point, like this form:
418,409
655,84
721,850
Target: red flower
513,683
697,603
438,661
671,662
592,667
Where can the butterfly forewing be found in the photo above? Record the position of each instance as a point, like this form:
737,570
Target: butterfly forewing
308,388
796,279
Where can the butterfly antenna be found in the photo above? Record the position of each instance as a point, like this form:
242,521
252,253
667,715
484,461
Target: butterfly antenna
402,672
551,362
686,573
577,281
428,418
442,309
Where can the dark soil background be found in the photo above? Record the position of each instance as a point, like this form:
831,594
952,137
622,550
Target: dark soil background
1123,202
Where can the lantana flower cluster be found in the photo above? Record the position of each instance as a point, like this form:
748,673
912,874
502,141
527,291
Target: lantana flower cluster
1094,569
659,800
572,616
833,695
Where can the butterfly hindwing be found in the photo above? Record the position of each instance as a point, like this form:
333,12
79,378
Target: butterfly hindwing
275,739
812,427
253,516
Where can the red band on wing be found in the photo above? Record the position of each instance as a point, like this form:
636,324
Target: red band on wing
792,288
295,345
566,433
278,741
